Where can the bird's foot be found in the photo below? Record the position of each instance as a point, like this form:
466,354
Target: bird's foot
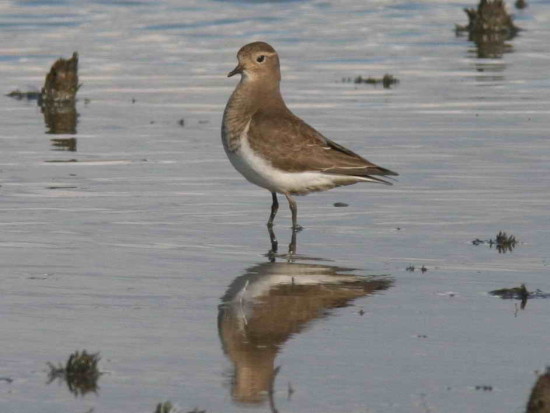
271,255
292,247
291,252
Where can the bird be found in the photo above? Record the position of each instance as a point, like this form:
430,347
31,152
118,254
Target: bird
275,149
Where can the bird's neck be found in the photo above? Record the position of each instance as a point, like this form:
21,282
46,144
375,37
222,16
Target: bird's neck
252,95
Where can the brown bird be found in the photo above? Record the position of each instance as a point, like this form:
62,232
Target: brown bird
275,149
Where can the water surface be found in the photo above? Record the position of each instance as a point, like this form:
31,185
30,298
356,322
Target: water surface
132,234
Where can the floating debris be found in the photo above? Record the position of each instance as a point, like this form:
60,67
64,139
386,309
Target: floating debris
489,17
165,407
489,27
519,293
521,4
412,268
484,388
290,391
61,82
168,407
387,80
539,400
503,242
61,161
340,204
80,373
19,95
57,97
450,294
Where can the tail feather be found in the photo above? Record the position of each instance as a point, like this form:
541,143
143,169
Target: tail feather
364,172
371,178
382,171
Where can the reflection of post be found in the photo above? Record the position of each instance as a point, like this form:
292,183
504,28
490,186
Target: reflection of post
68,144
60,118
539,401
271,302
490,45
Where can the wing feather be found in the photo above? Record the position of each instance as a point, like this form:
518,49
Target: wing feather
292,145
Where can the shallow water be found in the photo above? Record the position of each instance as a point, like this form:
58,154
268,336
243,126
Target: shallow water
123,237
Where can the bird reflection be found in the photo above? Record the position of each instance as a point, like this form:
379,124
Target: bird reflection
270,303
272,253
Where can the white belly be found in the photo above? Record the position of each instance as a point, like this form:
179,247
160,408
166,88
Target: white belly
260,172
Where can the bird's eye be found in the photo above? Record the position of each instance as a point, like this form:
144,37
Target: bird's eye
260,59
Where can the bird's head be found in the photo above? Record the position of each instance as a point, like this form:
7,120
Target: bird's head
257,61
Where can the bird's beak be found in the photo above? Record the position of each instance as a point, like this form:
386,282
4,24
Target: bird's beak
238,69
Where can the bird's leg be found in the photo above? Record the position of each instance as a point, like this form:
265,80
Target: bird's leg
274,243
292,246
294,210
272,237
274,209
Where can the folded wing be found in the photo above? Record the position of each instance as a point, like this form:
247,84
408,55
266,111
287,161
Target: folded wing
294,146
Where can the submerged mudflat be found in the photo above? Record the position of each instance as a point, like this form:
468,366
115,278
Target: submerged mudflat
134,238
